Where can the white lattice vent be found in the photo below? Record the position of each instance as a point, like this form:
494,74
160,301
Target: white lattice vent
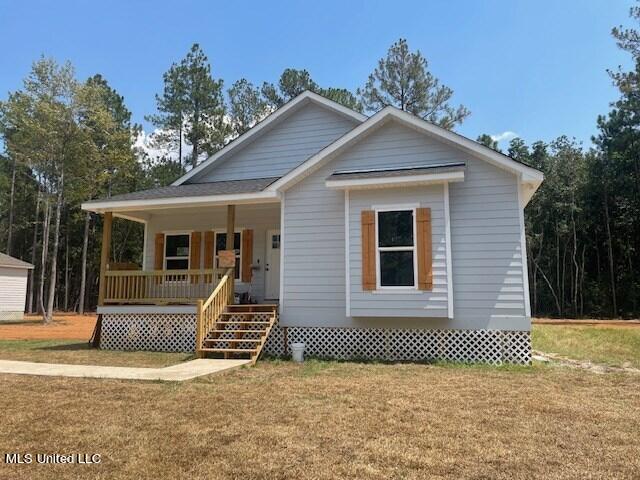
162,332
482,346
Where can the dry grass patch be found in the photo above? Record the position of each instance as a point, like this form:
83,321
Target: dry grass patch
327,420
80,353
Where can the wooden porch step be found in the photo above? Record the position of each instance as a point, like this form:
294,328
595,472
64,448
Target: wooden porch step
244,314
243,322
230,350
252,308
231,330
233,340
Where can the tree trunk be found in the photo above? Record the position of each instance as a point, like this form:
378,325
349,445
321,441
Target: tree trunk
34,248
180,141
83,274
610,252
555,297
43,258
66,269
56,244
11,208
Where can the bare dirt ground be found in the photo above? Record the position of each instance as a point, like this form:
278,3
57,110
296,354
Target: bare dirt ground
66,326
588,322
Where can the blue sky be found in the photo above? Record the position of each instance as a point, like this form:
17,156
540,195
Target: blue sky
537,67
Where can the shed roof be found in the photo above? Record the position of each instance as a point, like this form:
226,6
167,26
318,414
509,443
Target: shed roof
226,187
11,262
397,172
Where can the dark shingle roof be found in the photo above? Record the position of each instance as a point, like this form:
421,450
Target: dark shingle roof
229,187
397,172
7,261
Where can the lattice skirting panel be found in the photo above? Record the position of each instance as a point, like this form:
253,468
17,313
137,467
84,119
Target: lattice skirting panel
469,346
163,332
11,316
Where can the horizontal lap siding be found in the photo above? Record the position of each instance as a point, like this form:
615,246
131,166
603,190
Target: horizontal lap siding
486,257
13,289
287,145
314,282
259,218
424,304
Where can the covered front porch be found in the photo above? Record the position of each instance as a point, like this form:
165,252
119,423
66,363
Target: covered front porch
205,273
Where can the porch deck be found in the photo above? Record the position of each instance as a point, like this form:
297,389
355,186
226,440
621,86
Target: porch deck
221,328
160,287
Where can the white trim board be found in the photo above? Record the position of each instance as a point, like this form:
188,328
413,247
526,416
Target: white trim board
347,263
270,121
160,203
447,236
523,255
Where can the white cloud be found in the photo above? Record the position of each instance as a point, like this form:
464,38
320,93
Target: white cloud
504,136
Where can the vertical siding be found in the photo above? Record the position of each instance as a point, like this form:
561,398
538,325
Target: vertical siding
486,257
260,218
414,304
13,289
287,145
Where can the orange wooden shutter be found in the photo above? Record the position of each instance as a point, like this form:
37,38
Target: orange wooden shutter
209,239
368,226
247,255
194,254
425,261
159,252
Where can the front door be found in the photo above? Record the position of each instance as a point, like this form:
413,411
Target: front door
272,266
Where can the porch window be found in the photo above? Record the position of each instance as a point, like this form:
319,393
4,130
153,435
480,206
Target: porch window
176,251
396,248
221,244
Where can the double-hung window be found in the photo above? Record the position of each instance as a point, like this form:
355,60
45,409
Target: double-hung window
221,244
176,251
396,248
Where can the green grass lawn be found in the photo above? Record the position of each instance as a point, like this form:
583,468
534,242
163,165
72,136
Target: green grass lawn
607,345
79,352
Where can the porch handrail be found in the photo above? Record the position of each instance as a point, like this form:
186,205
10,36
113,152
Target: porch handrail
208,311
159,286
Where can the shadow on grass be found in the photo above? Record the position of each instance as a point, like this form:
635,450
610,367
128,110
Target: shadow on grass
313,365
71,347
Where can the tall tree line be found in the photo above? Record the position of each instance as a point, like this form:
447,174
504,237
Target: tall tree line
66,141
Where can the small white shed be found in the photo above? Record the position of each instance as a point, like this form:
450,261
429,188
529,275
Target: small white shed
13,287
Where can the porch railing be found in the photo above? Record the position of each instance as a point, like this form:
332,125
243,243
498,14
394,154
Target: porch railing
160,286
208,311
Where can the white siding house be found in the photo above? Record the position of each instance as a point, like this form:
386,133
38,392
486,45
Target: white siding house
378,237
13,287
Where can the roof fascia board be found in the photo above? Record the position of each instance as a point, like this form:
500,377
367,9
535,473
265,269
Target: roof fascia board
19,267
176,202
254,132
387,182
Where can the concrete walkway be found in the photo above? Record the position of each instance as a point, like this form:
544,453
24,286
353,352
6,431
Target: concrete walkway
174,373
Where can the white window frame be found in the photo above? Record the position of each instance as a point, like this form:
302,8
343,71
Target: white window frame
239,257
413,249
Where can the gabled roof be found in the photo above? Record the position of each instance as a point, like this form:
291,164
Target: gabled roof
269,122
528,175
11,262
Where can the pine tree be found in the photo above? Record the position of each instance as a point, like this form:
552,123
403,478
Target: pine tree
402,79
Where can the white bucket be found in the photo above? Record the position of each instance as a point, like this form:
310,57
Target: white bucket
297,352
